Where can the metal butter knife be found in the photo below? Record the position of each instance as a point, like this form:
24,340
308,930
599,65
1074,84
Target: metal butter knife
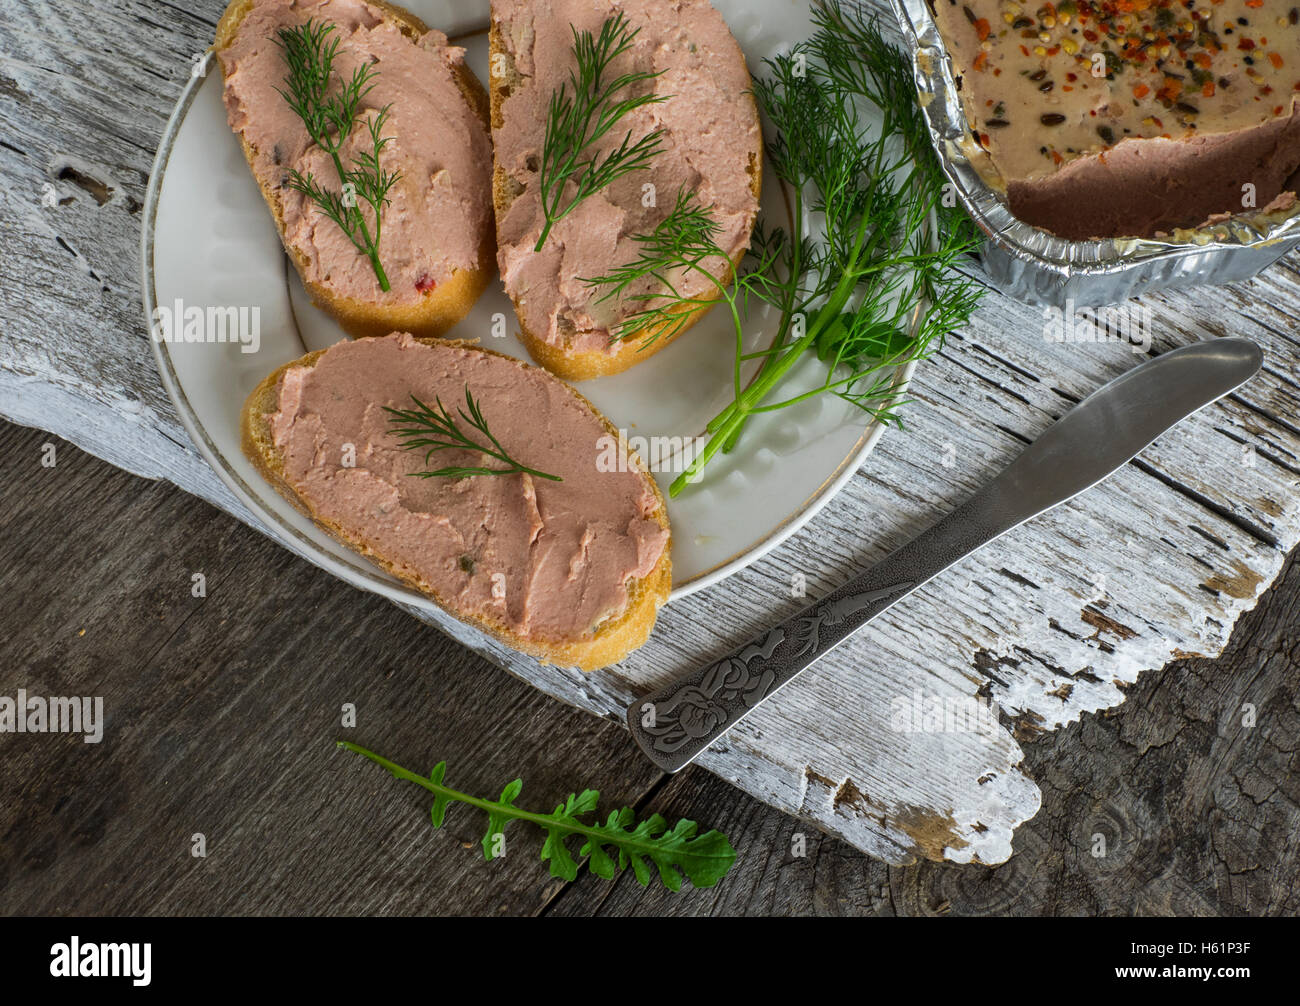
676,723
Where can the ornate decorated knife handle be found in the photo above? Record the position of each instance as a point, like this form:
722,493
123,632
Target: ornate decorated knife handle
679,721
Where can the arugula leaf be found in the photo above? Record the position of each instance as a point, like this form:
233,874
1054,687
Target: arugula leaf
620,842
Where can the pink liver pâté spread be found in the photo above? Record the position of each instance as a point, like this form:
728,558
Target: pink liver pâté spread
1131,117
712,142
441,209
550,560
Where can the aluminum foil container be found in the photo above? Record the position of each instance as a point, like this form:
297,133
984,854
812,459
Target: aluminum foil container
1040,268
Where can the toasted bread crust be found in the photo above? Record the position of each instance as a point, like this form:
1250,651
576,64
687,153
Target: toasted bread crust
442,307
609,643
581,365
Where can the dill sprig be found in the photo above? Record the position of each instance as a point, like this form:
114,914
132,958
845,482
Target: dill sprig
685,243
581,112
872,290
309,54
621,841
433,430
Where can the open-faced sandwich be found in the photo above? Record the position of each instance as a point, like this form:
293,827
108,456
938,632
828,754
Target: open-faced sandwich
368,136
604,116
480,481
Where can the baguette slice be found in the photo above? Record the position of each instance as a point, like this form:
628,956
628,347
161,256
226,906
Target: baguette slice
571,355
424,312
611,638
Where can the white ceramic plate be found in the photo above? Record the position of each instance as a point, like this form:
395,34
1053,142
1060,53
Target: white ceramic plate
209,240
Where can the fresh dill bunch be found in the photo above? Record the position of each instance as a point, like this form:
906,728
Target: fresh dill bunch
875,287
329,114
581,112
431,430
621,841
849,43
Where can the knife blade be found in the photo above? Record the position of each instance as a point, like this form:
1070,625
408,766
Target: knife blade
674,724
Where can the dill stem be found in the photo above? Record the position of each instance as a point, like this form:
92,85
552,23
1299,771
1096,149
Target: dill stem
829,385
777,367
773,352
726,292
374,248
546,231
367,247
787,307
715,444
726,426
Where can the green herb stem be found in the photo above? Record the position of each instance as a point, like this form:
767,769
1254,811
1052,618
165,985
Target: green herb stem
703,858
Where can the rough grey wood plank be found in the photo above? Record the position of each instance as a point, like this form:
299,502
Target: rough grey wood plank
1169,806
1198,812
1053,622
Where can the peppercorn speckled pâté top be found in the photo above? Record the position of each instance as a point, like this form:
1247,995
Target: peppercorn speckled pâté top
1045,84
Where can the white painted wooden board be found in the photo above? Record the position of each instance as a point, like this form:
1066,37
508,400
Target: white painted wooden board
1050,623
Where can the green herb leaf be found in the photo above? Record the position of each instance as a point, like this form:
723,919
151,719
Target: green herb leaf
684,242
581,112
433,430
438,812
498,818
309,53
681,851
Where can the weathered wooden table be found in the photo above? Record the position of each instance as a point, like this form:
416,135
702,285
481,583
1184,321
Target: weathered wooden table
1054,622
224,710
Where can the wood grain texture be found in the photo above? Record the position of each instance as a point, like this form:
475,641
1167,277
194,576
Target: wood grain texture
223,714
1055,621
1182,802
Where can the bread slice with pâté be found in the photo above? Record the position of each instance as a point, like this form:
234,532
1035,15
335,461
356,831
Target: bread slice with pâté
711,146
435,243
567,559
